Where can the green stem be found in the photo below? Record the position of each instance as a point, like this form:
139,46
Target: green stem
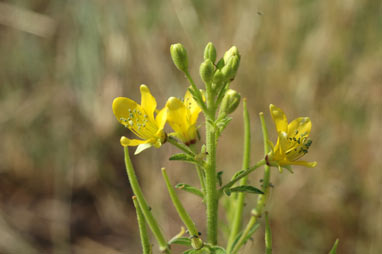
211,192
242,174
257,212
268,236
244,236
146,246
181,146
334,248
151,221
197,243
267,172
237,221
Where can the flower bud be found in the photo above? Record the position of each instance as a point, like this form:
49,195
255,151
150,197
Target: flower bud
230,102
207,70
229,70
233,51
179,56
210,52
218,77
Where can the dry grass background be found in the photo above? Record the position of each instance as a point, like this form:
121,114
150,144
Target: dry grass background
63,187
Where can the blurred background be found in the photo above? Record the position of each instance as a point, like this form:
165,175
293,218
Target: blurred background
63,187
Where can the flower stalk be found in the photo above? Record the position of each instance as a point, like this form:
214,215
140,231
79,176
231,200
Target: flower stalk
196,242
267,170
239,202
146,246
257,212
150,220
268,235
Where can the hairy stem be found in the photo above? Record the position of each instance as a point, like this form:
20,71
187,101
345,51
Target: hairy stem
211,192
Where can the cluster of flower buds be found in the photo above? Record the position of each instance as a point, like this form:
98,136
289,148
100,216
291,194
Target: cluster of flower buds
216,75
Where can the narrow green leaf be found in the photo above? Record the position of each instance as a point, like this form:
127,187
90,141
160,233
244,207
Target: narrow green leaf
219,177
182,157
246,188
189,188
181,241
190,251
248,236
227,191
237,174
334,248
222,124
217,250
193,251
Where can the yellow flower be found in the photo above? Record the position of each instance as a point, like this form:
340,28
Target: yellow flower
292,142
182,117
140,120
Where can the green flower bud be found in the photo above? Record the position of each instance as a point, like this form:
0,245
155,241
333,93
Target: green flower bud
233,51
220,64
229,70
218,77
179,56
230,102
210,52
207,70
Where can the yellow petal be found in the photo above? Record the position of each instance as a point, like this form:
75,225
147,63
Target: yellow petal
300,127
279,118
161,118
132,142
304,163
177,115
192,106
148,102
121,107
282,142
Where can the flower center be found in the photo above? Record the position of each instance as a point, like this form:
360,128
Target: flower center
140,124
298,146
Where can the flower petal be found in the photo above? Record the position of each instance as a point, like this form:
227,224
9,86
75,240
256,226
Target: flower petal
304,163
192,106
132,142
282,142
177,115
279,118
161,118
121,107
300,127
148,102
141,148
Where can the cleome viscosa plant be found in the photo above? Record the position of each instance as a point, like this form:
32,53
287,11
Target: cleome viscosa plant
215,100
